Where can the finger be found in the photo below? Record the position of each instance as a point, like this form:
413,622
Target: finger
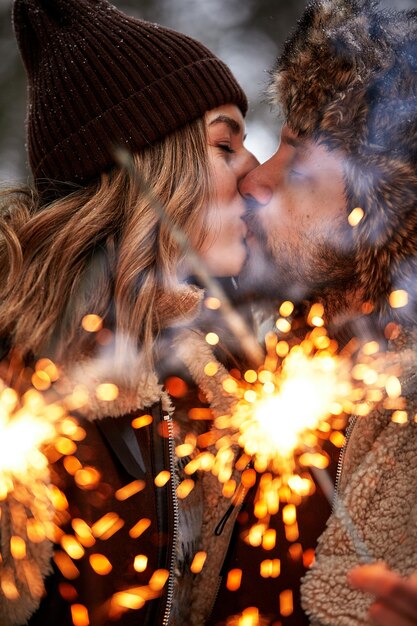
398,593
376,578
381,615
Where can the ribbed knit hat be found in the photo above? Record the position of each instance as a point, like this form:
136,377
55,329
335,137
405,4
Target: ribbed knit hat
348,77
100,79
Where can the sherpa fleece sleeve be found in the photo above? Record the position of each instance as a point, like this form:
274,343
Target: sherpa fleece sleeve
375,520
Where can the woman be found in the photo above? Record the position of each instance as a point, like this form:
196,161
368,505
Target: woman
85,240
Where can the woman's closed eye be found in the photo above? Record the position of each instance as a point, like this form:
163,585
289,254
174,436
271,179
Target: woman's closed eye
226,148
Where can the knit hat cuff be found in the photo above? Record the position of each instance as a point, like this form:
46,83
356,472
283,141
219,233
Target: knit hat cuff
156,110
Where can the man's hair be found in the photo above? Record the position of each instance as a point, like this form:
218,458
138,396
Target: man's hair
102,250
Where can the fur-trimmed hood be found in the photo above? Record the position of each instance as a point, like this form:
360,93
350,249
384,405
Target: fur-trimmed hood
348,77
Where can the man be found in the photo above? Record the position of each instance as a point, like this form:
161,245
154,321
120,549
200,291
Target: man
335,209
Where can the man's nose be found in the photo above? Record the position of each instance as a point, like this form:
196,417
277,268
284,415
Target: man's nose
257,187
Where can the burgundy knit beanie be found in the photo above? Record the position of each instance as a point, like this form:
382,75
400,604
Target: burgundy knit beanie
100,79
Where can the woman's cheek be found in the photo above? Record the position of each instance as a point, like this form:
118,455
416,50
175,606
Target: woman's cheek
226,186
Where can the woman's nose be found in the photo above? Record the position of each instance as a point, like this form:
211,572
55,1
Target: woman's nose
248,162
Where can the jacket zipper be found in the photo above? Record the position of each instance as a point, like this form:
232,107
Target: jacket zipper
348,434
215,596
171,579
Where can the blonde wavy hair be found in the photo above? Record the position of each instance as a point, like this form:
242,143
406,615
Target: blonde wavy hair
102,250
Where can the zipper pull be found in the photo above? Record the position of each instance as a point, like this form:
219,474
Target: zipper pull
220,526
237,501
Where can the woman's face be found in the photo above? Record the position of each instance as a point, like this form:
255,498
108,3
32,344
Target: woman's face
224,248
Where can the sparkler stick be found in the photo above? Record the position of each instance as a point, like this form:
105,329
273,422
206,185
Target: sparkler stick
235,322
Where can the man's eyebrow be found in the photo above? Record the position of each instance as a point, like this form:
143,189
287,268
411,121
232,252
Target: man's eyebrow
290,140
234,126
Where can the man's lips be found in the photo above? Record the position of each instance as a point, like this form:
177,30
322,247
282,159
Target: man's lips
255,233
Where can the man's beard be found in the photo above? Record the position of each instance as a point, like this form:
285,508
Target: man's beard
309,269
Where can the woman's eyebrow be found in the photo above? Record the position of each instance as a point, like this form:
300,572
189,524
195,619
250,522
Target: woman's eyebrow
234,126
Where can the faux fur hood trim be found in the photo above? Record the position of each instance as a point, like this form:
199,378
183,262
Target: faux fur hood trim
348,77
137,384
139,390
320,78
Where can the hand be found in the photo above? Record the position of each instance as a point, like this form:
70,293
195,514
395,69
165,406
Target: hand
396,597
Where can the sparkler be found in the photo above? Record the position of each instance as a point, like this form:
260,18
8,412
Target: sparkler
27,425
277,410
299,398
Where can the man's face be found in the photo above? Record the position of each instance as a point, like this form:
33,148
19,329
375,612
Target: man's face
301,243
